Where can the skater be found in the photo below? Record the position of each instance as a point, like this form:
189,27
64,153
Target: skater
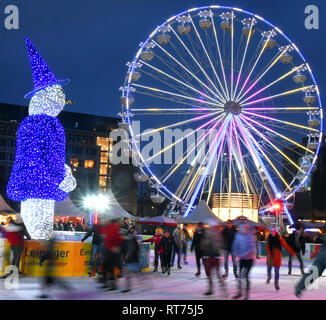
228,237
297,242
258,235
196,245
244,247
184,241
49,278
178,237
314,272
112,251
96,249
156,239
15,233
130,254
274,244
210,247
166,245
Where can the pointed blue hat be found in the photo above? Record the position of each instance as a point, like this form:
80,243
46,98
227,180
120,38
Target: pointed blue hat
42,75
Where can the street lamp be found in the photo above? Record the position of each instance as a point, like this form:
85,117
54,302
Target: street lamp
96,203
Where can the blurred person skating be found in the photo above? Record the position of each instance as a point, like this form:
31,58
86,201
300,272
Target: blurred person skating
130,253
112,251
210,247
228,237
244,247
314,272
297,242
156,239
15,233
49,279
178,237
274,244
257,237
196,245
97,249
185,239
166,245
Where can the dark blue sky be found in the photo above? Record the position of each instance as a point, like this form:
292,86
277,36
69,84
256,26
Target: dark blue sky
91,41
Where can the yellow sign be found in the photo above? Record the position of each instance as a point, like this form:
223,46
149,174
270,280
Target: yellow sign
70,258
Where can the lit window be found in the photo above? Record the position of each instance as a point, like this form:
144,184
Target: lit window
103,181
74,163
103,143
104,157
103,169
89,164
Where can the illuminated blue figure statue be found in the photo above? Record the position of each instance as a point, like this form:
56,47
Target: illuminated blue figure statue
40,176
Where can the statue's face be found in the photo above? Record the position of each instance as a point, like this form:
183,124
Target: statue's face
50,101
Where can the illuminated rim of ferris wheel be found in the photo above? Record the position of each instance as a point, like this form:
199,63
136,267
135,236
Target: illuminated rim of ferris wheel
233,97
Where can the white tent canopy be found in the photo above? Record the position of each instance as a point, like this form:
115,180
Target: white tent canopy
202,213
114,210
4,206
67,208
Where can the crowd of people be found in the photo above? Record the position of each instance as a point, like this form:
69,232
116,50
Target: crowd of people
115,253
68,226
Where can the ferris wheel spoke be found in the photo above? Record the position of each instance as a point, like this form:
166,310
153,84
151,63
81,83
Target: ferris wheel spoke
214,173
177,95
270,84
252,146
265,156
181,82
217,92
274,61
220,57
192,74
247,161
179,89
281,121
220,136
217,119
254,66
190,151
194,182
181,123
208,57
286,93
174,110
243,58
276,109
185,76
272,144
239,158
173,99
232,44
278,134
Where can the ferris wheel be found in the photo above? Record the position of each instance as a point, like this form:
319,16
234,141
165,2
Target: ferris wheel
225,75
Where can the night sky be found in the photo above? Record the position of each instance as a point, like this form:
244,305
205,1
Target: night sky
91,41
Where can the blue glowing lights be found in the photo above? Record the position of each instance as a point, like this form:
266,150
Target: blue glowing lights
42,75
39,165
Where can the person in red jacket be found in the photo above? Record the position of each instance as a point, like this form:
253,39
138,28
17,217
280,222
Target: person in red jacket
274,244
156,239
15,233
112,251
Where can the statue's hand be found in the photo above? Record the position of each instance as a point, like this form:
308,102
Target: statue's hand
69,182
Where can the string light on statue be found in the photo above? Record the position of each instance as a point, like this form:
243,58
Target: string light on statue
40,176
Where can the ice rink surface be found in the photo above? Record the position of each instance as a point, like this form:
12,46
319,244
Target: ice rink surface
180,285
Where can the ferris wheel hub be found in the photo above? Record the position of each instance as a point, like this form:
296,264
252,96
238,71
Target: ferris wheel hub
233,107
